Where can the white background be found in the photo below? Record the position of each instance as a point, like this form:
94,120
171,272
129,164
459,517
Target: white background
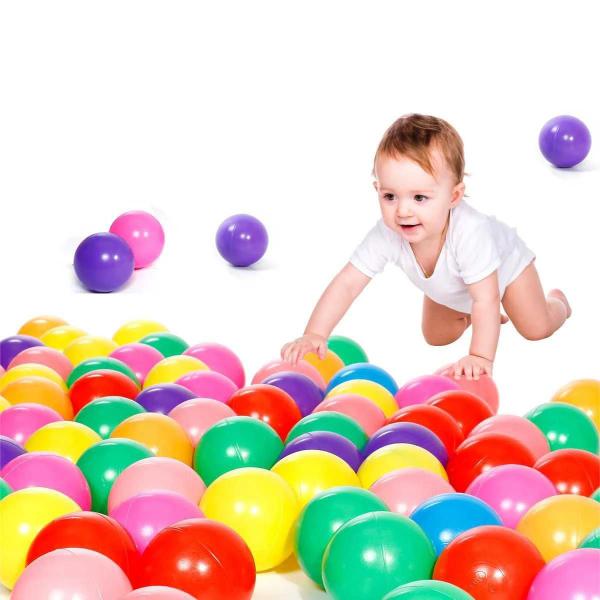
196,111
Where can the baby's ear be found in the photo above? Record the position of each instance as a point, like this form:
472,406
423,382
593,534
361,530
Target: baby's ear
457,193
375,185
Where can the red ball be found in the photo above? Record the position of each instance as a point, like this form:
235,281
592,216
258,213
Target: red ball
99,384
572,471
482,452
269,404
467,409
435,419
201,557
490,563
91,531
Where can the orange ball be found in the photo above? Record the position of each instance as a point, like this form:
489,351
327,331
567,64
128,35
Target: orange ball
161,434
39,390
38,326
327,366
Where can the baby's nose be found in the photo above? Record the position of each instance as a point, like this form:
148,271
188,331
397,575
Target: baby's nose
403,209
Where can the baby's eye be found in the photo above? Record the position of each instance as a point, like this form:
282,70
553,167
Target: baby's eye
420,197
388,196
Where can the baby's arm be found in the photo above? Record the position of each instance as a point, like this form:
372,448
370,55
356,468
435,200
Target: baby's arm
331,307
485,320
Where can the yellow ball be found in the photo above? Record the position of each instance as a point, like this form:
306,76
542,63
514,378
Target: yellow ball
4,403
172,368
311,472
88,346
134,331
560,523
60,337
584,394
65,438
371,390
22,515
260,506
38,326
397,456
31,370
327,366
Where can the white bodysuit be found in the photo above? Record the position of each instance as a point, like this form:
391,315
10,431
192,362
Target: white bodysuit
476,245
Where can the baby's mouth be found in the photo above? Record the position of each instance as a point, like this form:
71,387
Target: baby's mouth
410,227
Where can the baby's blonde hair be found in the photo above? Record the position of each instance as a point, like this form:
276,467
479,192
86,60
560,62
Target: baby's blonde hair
414,135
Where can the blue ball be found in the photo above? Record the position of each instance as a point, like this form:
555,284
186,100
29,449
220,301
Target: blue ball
364,371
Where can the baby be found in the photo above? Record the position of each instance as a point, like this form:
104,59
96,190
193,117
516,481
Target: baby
466,263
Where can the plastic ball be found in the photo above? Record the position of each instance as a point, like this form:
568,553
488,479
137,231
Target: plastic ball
261,507
327,442
18,422
65,438
91,531
365,371
328,366
10,347
104,414
37,326
303,390
30,370
88,346
204,558
42,355
157,592
369,389
428,590
99,384
172,368
40,391
103,262
209,384
5,489
349,350
591,540
163,397
198,415
168,344
484,388
373,554
143,233
571,471
9,450
133,331
565,141
320,520
584,394
24,513
45,470
366,413
156,473
61,336
4,404
221,359
420,389
490,562
242,240
233,443
140,358
467,409
100,363
330,421
559,523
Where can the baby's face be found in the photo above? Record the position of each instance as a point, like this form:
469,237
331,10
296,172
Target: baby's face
413,203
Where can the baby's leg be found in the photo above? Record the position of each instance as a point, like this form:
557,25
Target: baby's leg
442,325
534,315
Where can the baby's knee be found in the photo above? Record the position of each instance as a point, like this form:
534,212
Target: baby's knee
536,331
440,338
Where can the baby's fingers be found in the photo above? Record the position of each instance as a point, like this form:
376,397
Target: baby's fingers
476,372
457,371
322,351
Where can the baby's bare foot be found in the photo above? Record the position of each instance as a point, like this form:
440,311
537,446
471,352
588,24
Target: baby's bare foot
560,296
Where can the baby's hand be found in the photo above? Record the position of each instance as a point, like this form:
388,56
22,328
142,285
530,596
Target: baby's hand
472,366
309,342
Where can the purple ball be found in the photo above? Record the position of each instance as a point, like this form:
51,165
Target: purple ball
565,141
103,262
11,346
326,441
407,433
9,449
303,390
242,240
164,397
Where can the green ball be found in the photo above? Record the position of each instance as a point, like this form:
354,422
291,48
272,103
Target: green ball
103,462
596,495
95,364
168,344
428,590
322,517
330,421
373,554
349,351
104,414
565,426
5,489
233,443
592,540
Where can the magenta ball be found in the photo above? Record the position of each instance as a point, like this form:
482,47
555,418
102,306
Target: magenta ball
221,359
46,470
511,490
144,234
140,358
421,389
21,420
145,515
208,384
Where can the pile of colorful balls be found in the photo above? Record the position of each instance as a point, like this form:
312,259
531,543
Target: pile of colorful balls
144,467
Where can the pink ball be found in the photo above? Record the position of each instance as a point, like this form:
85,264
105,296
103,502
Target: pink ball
72,573
42,355
199,414
511,490
18,422
403,490
156,473
145,515
420,389
484,387
157,592
366,413
573,575
518,428
143,233
47,470
276,366
140,358
208,384
221,359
